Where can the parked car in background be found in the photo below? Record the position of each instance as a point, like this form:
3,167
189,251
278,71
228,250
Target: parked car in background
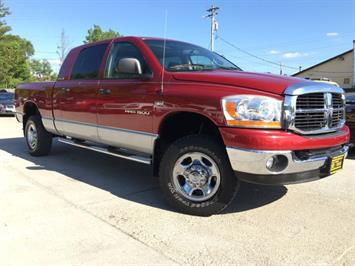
350,114
7,102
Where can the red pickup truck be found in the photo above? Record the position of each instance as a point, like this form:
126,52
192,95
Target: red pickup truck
199,120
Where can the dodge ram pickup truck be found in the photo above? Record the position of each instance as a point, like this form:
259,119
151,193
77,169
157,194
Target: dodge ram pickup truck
199,120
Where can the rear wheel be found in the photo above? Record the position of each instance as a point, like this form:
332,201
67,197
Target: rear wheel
196,176
38,139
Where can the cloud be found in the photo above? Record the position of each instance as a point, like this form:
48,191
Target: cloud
288,55
293,55
274,52
332,34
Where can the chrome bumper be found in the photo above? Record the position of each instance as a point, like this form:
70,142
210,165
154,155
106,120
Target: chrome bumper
254,161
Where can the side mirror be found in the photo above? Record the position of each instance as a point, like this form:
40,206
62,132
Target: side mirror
129,66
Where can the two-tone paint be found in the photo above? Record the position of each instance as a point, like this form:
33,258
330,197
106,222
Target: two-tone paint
131,115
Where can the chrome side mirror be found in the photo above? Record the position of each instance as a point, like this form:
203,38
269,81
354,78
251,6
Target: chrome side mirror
129,66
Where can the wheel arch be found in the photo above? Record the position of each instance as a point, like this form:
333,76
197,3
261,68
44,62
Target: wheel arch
30,108
176,125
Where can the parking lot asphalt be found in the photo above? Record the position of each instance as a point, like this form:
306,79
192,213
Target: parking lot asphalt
78,207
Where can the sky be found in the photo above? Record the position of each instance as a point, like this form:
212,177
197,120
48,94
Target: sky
292,33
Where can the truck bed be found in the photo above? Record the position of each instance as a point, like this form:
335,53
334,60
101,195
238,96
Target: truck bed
37,93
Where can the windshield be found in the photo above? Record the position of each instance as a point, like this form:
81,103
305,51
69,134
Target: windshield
180,56
6,96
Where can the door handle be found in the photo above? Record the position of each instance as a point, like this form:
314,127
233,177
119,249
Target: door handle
104,91
65,90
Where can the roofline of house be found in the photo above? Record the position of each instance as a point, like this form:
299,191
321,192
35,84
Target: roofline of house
323,62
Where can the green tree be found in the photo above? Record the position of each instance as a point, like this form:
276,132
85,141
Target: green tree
4,11
96,34
14,55
41,70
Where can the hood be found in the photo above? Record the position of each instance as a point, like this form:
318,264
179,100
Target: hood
265,82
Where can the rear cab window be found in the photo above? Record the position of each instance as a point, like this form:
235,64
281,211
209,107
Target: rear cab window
88,62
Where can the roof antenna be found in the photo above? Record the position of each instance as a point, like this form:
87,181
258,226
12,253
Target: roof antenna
164,46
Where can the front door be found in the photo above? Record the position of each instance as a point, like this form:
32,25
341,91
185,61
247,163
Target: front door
125,102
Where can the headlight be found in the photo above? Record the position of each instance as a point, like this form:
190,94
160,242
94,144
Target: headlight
252,111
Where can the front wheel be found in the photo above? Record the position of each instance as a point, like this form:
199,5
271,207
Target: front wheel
196,177
38,139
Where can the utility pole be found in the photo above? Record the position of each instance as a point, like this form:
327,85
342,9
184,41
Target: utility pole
212,13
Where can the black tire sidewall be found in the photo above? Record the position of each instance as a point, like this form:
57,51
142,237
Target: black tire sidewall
28,124
44,138
229,182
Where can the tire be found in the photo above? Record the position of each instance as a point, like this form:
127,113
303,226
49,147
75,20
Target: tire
38,139
210,194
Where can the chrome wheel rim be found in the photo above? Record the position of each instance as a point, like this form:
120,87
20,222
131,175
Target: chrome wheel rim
196,176
32,137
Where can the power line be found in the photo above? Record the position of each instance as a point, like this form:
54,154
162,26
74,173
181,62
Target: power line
276,63
255,56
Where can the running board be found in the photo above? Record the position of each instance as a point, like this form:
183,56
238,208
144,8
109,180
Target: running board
113,152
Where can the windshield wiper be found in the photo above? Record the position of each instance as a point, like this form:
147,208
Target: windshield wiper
228,68
192,67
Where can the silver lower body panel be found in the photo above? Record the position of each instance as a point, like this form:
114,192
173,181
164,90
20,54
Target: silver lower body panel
116,137
254,161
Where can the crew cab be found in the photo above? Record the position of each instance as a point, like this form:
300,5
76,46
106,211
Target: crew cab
199,120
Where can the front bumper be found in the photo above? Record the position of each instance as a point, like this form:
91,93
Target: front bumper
294,166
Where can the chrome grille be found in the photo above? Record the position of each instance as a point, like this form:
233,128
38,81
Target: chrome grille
317,111
313,108
337,100
337,117
311,101
310,121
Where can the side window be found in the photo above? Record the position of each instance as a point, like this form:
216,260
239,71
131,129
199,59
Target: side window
88,63
119,51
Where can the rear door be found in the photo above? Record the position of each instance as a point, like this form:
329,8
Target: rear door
125,102
75,99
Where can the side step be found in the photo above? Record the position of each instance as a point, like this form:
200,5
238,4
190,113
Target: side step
114,152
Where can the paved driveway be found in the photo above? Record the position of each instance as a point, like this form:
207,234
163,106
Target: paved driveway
78,207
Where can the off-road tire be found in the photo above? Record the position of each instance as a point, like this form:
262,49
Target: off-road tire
229,183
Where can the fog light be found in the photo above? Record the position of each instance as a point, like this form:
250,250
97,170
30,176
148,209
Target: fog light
277,163
270,163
